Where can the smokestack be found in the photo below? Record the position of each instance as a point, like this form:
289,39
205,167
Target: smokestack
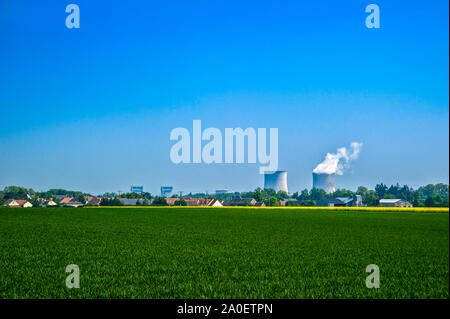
324,181
276,181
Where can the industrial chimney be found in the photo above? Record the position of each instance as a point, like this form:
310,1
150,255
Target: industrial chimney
276,181
324,181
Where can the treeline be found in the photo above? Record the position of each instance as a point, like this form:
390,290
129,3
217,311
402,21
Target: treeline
143,195
18,192
115,201
432,195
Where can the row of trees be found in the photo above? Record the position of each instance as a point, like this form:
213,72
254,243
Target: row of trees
18,192
143,195
432,195
115,201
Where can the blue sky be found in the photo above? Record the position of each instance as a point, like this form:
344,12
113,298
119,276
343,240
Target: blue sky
92,108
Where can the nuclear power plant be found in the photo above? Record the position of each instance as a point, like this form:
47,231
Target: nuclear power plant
324,181
276,181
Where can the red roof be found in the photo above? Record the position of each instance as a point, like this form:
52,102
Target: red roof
8,202
65,200
20,202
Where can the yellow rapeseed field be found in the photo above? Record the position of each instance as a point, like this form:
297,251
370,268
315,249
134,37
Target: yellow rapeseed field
309,208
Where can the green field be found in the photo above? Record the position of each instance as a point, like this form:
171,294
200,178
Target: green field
222,253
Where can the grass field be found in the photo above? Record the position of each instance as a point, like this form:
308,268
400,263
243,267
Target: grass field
222,253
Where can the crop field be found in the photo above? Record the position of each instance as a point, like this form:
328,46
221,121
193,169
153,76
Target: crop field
222,253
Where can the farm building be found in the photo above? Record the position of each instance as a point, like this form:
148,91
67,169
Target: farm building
386,202
17,203
353,201
330,202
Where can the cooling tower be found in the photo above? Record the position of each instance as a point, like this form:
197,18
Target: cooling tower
276,181
324,181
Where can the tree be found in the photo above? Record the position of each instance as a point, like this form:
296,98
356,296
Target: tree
273,201
317,193
131,195
281,195
159,201
361,190
441,190
17,192
304,195
430,202
417,202
269,192
292,203
110,202
371,198
308,203
80,198
258,195
343,193
180,202
35,202
381,190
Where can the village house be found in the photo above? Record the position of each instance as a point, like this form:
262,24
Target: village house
171,201
18,203
70,202
48,203
386,202
92,200
214,202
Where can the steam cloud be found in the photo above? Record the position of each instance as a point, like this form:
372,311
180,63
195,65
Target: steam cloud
337,163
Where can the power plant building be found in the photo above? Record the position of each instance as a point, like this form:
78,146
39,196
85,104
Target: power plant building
276,181
166,191
324,181
222,191
137,189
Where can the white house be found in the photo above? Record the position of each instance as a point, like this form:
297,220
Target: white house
48,203
215,203
18,203
396,202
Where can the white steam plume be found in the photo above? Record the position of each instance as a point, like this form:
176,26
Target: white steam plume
337,163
